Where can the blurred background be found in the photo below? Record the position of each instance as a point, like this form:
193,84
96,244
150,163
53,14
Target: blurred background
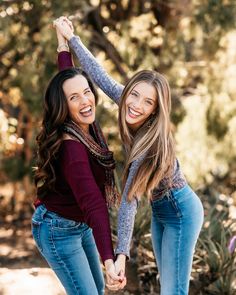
194,44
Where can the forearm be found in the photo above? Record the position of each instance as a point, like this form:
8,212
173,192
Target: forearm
102,234
62,43
64,58
126,217
127,212
89,63
90,200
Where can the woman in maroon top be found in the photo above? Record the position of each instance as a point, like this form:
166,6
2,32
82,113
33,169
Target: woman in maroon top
75,183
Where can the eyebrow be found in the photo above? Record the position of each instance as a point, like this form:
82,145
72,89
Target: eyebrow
75,93
151,99
146,97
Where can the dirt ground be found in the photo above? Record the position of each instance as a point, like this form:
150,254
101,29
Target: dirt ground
22,269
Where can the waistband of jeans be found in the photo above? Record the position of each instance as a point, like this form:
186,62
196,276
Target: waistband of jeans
168,192
160,196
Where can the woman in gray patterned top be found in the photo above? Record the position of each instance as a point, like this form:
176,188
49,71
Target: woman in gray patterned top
151,169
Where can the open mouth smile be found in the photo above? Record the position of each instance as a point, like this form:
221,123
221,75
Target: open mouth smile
87,111
132,113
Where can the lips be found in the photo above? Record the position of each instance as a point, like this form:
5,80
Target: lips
132,113
87,111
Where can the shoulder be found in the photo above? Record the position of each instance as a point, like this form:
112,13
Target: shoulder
73,151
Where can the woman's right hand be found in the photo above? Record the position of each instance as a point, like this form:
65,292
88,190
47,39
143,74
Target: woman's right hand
120,265
64,27
114,280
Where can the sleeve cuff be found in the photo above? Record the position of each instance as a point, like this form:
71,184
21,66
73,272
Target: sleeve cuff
126,253
106,257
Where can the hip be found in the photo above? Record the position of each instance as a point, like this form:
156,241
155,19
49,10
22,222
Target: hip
55,222
181,203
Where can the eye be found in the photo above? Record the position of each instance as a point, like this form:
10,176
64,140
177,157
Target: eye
149,102
134,94
87,91
73,97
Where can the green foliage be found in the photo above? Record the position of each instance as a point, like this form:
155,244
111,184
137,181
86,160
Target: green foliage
15,168
213,263
192,44
216,14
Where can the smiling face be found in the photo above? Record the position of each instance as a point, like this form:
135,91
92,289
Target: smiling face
140,103
81,101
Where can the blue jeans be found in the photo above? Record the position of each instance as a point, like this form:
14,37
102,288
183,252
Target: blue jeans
70,250
177,219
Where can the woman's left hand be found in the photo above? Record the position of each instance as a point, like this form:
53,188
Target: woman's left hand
114,281
64,26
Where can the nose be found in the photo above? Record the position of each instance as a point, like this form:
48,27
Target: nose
137,103
84,99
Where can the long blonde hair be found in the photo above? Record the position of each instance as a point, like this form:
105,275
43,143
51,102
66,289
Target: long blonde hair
153,138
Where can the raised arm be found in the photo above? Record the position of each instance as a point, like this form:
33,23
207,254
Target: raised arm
89,63
64,58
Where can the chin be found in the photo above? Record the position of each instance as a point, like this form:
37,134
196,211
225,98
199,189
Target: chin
128,120
91,121
131,122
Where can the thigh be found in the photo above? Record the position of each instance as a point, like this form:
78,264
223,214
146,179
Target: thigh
182,225
191,222
169,217
71,263
91,252
61,245
157,234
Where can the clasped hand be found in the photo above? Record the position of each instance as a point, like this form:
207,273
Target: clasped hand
115,274
64,26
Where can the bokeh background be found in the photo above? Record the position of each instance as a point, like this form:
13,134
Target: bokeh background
194,44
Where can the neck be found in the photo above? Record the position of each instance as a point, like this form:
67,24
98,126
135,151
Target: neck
83,127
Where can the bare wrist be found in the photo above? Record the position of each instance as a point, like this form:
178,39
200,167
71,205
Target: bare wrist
60,38
63,47
121,257
70,36
108,262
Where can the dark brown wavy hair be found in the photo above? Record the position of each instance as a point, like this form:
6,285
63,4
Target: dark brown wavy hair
55,113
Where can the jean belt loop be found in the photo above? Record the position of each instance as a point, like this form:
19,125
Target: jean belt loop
168,194
43,211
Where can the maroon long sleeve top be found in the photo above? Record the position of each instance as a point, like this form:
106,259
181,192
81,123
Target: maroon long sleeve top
79,189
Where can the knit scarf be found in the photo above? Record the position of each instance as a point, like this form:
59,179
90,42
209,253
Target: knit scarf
98,149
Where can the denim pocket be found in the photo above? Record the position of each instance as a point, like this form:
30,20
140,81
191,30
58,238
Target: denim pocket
162,199
36,233
166,207
65,224
175,204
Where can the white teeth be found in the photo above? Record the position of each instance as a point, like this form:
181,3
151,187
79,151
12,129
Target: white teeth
133,112
87,109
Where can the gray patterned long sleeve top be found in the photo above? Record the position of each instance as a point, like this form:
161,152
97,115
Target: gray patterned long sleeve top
127,210
96,72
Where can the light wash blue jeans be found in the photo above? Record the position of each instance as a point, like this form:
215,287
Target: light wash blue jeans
177,219
70,250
